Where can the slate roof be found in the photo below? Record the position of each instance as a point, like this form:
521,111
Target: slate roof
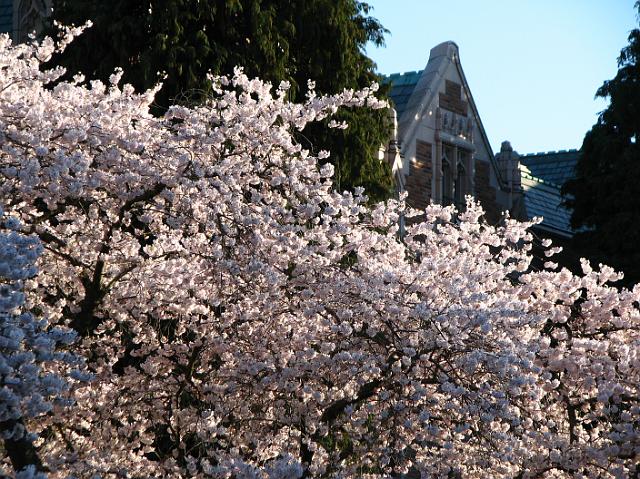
402,86
543,198
553,166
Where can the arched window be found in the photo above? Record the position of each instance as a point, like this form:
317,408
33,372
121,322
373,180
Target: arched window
29,17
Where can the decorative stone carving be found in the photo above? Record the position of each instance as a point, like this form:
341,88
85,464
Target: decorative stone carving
457,125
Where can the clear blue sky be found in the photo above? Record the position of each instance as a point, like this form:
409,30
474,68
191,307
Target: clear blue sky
533,66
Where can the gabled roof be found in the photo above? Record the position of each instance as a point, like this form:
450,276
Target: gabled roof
542,198
553,166
413,92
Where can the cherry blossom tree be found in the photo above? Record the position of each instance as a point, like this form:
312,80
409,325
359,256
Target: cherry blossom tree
243,319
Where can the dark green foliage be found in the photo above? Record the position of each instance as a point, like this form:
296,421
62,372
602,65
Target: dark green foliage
294,40
606,191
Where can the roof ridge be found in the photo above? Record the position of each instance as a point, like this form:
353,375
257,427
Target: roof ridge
399,74
551,152
529,175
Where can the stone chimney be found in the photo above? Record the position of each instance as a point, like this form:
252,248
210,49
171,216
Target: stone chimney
508,162
509,166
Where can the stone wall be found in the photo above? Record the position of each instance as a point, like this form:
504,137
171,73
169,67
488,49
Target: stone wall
418,183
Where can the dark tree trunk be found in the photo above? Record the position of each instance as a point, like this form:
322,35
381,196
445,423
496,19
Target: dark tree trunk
21,452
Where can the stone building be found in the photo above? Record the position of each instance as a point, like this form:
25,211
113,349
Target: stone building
19,18
440,151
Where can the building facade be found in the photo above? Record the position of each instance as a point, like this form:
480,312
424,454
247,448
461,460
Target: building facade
440,151
20,18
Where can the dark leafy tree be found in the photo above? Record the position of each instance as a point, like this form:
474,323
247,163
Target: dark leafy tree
296,40
605,193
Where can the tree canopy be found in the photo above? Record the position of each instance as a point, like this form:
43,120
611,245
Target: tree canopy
179,41
604,194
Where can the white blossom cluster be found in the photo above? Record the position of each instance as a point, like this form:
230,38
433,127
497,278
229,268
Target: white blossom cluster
26,342
244,320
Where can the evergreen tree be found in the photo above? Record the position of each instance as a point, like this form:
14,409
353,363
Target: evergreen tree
181,40
604,194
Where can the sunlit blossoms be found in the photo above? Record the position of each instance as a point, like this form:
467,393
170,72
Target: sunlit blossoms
241,319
